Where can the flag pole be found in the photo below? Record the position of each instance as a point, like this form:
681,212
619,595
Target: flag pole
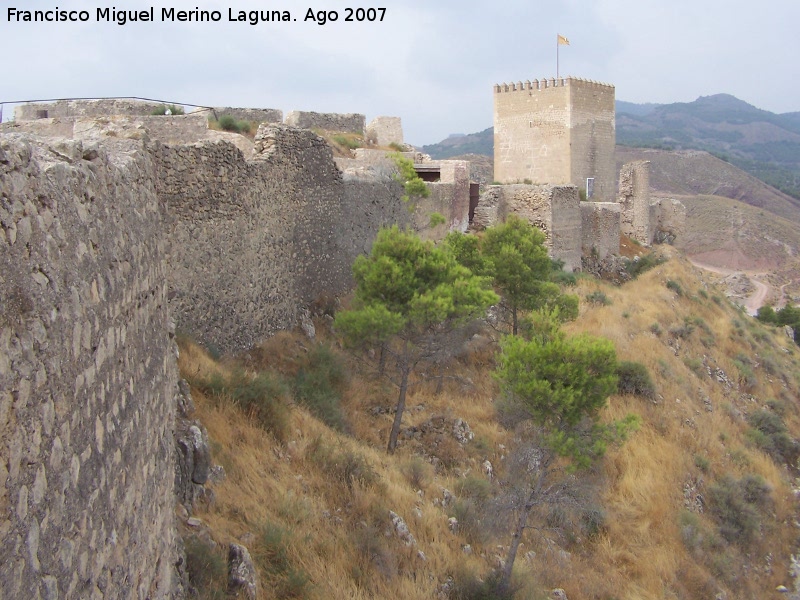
557,45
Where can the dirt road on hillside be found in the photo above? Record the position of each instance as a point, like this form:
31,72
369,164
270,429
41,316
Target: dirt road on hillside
759,296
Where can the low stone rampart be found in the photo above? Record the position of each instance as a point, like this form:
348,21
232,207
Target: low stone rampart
253,115
84,108
87,373
348,123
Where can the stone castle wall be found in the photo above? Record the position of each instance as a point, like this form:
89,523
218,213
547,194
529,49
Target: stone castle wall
84,108
634,198
87,373
557,131
667,219
350,122
385,130
256,240
553,209
600,228
253,115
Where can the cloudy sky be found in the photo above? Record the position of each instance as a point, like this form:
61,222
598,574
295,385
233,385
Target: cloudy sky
433,62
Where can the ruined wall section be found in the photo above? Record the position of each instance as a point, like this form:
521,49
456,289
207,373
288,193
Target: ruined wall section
593,137
232,230
449,197
84,108
667,219
553,209
600,228
87,374
634,198
531,132
385,131
565,226
256,240
349,122
253,115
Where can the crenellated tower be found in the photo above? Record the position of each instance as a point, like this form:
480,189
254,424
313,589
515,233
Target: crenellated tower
557,131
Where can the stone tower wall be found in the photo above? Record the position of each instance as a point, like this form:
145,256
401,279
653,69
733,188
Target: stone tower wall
531,132
556,131
592,138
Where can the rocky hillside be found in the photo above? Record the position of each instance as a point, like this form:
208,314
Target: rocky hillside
698,503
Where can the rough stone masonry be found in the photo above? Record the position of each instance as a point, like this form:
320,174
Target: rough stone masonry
87,373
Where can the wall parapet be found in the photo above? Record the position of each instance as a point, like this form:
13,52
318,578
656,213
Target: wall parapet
547,84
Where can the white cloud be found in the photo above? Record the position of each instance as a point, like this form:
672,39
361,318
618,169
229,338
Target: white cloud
433,64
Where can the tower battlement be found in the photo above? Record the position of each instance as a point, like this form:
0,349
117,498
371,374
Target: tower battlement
548,83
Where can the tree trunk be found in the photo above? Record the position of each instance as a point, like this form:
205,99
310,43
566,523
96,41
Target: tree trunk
382,360
533,499
505,581
514,319
401,406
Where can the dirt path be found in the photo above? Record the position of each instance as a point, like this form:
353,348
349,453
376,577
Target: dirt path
757,299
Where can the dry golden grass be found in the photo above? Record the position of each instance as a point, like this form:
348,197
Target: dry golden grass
337,530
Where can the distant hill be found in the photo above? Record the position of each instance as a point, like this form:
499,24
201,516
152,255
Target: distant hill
765,144
456,145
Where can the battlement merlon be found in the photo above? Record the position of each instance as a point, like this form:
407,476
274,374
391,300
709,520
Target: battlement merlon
548,83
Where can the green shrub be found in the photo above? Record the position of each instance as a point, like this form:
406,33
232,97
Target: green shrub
466,586
347,141
634,378
694,364
675,287
684,330
271,551
770,434
418,473
469,515
229,123
746,374
702,463
645,263
343,465
474,488
559,275
598,297
593,522
207,569
260,396
319,385
271,554
738,506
